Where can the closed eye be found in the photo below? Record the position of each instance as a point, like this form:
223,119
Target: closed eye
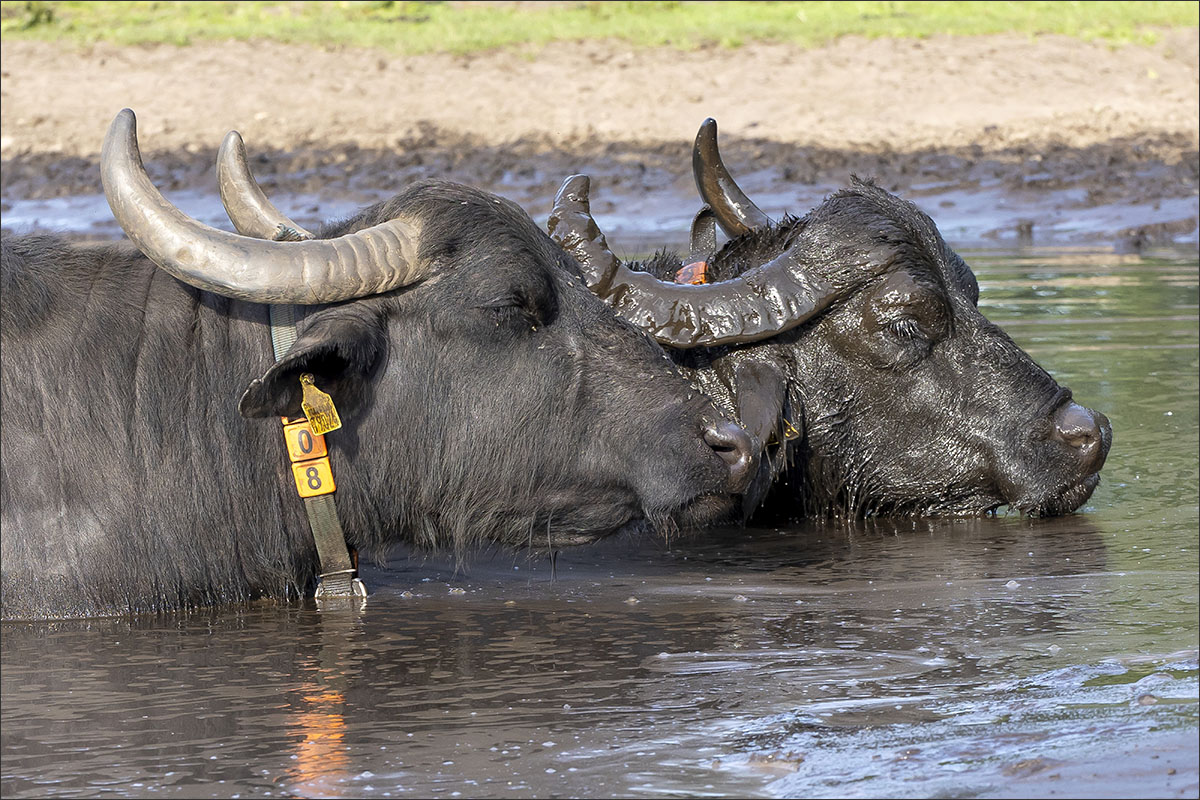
906,328
511,311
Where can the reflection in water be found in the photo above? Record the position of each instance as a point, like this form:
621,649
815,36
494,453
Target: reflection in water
882,658
322,760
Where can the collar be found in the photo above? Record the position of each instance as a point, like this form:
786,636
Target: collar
313,474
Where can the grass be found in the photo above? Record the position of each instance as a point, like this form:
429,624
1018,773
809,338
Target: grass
421,27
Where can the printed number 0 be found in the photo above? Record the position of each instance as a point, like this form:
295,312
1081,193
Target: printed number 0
314,478
305,440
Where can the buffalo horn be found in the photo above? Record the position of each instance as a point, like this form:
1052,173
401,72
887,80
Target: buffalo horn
247,206
760,303
736,213
368,262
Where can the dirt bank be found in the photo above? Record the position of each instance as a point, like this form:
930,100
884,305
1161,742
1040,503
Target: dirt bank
1050,124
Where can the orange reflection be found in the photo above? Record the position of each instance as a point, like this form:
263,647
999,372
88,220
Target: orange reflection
321,756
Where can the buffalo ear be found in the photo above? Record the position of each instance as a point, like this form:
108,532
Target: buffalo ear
763,408
761,393
340,346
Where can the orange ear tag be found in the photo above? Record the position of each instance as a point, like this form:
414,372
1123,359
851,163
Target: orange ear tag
695,273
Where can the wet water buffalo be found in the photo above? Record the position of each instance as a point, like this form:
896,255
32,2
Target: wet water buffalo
485,394
849,343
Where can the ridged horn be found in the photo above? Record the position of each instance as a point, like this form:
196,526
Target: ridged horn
369,262
758,304
247,206
736,213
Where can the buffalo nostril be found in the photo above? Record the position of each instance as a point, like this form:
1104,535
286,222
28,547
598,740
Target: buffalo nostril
1076,426
735,448
1082,429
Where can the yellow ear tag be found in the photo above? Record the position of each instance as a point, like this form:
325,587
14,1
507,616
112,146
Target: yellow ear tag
318,407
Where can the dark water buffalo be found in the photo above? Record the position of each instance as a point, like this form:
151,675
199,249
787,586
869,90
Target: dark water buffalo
852,336
486,394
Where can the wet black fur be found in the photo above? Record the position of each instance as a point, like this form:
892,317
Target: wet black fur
950,420
496,401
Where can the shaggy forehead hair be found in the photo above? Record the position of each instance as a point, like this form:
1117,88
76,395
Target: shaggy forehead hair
456,218
855,234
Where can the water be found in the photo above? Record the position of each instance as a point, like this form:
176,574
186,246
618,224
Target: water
993,657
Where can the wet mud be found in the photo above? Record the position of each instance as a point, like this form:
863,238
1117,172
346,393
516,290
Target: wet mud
1106,194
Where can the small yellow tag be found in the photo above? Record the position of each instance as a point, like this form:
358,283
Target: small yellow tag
789,433
318,407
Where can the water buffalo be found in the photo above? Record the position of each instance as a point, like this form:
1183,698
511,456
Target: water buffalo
849,344
485,393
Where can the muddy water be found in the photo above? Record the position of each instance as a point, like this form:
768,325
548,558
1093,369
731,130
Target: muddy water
995,657
988,212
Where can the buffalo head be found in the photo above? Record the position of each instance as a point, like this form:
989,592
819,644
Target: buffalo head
488,394
849,343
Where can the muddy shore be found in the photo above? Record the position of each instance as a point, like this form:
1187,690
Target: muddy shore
1001,138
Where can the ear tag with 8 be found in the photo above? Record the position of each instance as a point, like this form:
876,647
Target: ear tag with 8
318,407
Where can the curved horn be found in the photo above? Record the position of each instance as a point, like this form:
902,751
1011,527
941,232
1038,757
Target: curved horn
371,261
735,212
247,206
758,304
572,227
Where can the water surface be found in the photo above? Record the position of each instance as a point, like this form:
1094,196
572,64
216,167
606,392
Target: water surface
991,657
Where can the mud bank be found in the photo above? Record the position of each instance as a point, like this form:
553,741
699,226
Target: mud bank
1000,138
1106,194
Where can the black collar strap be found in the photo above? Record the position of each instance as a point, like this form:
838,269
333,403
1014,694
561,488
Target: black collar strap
314,476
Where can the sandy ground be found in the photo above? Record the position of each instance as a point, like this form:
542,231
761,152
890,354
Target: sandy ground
1063,123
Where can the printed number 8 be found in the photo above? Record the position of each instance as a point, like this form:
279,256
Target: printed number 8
314,478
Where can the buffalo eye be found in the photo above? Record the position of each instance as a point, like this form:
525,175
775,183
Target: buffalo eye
908,320
513,311
907,328
905,341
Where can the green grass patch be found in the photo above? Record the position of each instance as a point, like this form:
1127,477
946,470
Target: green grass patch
422,27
